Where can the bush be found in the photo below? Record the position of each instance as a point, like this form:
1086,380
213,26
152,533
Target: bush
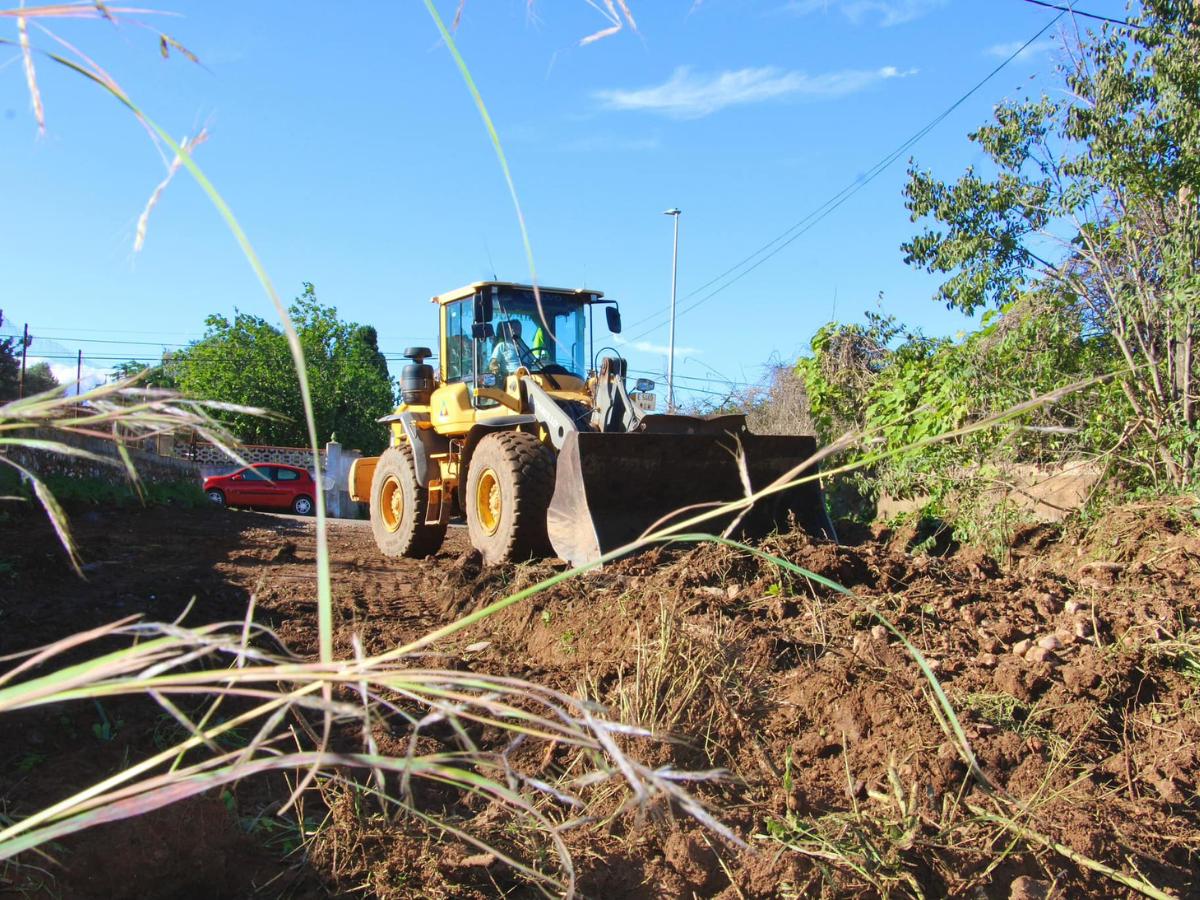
900,388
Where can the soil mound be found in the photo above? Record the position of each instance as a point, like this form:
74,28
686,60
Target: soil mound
1073,671
1073,674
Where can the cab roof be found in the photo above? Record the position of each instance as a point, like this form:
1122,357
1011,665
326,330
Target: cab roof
469,291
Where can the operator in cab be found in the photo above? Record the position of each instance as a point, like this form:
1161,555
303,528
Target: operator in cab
510,352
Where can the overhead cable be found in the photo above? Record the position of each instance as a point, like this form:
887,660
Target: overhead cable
825,209
1125,23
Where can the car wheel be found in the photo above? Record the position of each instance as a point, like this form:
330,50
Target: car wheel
216,497
302,506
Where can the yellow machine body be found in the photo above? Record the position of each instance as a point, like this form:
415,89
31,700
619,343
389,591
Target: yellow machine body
453,408
544,451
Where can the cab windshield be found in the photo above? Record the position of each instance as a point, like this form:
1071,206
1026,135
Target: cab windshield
549,340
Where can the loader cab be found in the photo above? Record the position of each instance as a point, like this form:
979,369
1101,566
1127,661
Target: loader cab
491,326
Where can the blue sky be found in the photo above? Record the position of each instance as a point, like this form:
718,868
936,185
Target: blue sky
344,140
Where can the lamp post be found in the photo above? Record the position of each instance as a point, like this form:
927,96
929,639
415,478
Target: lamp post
674,213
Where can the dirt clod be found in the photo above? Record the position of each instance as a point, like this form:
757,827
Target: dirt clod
1040,654
1027,888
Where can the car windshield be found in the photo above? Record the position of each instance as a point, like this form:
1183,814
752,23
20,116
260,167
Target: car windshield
549,339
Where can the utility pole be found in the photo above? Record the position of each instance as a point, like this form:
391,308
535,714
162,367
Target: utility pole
674,213
79,374
24,355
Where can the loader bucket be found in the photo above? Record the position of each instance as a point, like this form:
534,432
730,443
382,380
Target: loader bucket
610,488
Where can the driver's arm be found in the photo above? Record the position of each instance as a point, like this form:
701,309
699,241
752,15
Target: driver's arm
525,355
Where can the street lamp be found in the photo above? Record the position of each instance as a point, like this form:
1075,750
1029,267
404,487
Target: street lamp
674,212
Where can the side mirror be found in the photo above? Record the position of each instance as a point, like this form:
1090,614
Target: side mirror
483,308
482,330
644,385
613,315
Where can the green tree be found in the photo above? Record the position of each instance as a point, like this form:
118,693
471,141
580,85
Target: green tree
246,361
39,378
160,376
1094,198
10,367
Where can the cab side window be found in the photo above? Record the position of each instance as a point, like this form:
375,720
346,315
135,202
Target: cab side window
459,317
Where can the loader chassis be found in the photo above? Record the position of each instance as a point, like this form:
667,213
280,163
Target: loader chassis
544,456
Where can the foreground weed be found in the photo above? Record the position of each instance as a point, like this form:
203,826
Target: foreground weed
1010,714
105,728
870,843
676,673
1181,652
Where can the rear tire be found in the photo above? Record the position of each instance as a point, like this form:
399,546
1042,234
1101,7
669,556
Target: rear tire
508,492
303,505
398,507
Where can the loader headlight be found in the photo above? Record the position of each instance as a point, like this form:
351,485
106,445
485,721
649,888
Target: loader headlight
644,384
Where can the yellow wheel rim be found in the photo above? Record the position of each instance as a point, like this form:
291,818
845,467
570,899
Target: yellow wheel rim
488,503
391,504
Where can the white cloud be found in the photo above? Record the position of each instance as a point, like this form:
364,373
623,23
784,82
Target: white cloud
657,349
1004,51
686,95
64,373
886,12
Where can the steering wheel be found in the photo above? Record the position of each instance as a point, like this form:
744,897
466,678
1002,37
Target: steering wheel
554,369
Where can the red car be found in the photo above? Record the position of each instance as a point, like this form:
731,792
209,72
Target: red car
264,484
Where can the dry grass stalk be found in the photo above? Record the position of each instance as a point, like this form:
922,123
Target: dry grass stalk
162,662
186,146
35,94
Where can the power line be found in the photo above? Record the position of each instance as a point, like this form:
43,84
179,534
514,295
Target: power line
51,334
728,381
825,209
118,331
56,342
79,340
1086,15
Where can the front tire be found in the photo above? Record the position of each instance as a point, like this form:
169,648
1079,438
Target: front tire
216,497
508,492
398,507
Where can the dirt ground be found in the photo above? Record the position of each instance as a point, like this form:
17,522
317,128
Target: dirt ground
1074,670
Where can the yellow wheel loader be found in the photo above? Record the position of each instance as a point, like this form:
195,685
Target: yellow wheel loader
544,451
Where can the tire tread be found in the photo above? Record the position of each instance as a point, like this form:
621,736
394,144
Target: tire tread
533,470
414,541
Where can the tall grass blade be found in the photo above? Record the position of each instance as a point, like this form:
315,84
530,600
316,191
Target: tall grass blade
35,94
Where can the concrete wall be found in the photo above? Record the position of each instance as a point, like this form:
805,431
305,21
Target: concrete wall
337,474
151,468
213,460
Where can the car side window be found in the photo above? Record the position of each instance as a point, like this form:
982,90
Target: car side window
286,475
257,475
